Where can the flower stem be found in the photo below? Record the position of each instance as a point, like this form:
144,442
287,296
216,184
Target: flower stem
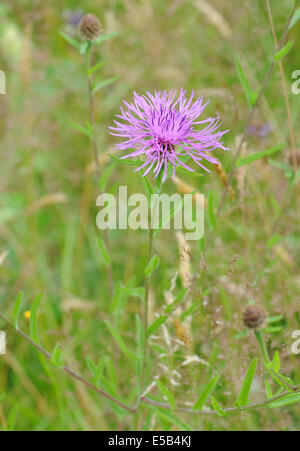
146,311
263,347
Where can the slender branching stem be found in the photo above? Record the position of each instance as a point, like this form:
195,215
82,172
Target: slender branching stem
66,369
143,400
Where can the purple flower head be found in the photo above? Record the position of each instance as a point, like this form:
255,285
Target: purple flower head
165,130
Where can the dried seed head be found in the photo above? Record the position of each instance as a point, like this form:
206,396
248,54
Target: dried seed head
89,27
254,316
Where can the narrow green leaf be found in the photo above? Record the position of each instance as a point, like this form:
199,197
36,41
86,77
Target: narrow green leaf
243,398
287,400
84,130
156,324
102,84
166,392
272,330
104,252
104,37
218,408
56,357
276,362
268,390
105,176
115,334
135,292
257,156
94,69
284,51
70,40
251,96
207,392
16,310
152,265
127,162
33,318
295,18
275,319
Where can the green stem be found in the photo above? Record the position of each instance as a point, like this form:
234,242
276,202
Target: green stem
146,309
263,347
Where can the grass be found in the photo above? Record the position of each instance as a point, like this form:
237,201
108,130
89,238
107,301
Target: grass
48,211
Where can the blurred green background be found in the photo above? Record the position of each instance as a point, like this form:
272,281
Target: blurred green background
48,234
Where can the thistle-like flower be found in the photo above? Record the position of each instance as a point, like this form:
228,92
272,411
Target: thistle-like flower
89,27
254,316
165,130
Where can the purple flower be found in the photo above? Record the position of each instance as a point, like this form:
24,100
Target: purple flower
164,129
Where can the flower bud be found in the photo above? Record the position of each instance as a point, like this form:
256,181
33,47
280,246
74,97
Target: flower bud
89,27
254,316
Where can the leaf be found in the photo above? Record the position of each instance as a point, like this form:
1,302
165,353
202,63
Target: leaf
287,400
16,310
276,362
105,37
251,96
84,130
2,397
152,265
94,69
257,156
243,398
272,330
295,18
275,319
156,324
105,176
211,212
166,392
268,390
135,292
104,252
170,418
56,357
33,318
207,392
284,51
70,40
128,162
102,84
218,408
115,334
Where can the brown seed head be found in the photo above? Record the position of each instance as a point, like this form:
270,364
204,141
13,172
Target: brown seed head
254,316
89,27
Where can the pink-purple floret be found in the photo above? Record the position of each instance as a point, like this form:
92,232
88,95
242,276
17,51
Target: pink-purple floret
163,127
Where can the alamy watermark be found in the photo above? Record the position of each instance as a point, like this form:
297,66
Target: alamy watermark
296,84
2,82
296,344
163,211
2,343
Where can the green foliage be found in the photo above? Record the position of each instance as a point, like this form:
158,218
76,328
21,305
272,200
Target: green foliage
243,398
